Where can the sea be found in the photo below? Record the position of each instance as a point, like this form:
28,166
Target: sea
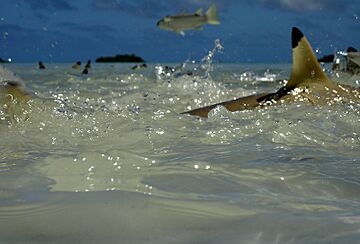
108,157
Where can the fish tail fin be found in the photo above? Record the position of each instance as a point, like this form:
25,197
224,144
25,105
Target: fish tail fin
211,15
199,11
305,67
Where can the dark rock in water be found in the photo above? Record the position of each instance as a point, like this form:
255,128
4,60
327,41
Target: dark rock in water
138,66
351,50
123,58
353,68
327,58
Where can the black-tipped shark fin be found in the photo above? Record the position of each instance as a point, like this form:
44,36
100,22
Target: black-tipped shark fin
305,71
296,36
305,67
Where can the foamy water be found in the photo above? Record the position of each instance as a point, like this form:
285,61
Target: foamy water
107,157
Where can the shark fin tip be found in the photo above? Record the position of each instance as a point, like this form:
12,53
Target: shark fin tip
296,36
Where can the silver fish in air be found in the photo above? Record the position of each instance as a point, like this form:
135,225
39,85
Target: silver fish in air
182,22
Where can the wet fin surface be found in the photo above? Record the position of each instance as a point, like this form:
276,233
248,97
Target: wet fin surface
283,91
305,67
305,71
243,103
201,112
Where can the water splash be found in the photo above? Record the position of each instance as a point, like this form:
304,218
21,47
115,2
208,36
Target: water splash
208,59
188,67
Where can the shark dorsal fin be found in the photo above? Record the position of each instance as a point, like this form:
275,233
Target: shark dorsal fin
305,67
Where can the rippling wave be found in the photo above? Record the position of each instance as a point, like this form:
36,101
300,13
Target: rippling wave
119,130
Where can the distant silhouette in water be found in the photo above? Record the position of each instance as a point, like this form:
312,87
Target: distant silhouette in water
138,66
77,65
41,65
85,71
88,64
351,50
3,61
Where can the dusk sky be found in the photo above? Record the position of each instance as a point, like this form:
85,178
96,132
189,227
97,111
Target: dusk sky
250,30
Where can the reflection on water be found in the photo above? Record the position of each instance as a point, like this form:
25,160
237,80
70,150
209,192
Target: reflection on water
113,159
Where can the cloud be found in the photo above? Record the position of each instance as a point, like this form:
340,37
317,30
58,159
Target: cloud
44,45
142,8
112,5
308,23
20,32
98,32
42,17
11,27
98,28
306,5
155,10
59,5
152,9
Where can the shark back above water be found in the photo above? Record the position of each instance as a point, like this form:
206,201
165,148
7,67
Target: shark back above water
307,82
14,90
14,100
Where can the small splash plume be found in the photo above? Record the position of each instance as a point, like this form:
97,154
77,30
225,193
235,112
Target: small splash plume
208,59
203,70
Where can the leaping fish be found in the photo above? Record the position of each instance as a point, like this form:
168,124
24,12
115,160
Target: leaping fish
307,82
182,22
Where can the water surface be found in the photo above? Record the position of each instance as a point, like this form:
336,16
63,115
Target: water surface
109,158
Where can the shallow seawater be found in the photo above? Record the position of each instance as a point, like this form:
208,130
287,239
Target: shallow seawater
108,157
